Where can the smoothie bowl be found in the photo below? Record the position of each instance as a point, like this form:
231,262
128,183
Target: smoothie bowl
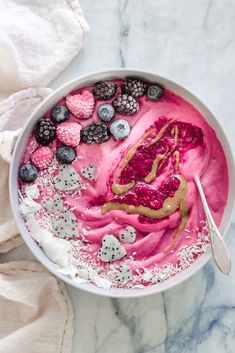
102,183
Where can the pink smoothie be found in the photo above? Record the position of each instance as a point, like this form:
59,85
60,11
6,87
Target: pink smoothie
154,256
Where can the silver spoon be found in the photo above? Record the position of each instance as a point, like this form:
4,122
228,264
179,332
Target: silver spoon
219,249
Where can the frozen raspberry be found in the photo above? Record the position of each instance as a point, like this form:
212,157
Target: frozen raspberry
69,133
42,157
81,105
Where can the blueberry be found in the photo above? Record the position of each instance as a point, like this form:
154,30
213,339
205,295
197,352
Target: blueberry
65,154
120,129
106,112
59,113
154,92
28,173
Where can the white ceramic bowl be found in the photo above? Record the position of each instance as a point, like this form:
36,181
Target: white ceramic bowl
50,101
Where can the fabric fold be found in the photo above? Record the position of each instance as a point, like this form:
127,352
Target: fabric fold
14,113
35,310
37,41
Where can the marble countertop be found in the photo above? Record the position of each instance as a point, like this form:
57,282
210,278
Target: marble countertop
193,43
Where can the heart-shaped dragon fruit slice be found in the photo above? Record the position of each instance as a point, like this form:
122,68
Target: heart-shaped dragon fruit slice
55,205
111,249
124,273
128,235
66,225
90,171
67,179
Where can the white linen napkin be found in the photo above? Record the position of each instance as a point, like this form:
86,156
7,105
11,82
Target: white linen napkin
38,39
35,310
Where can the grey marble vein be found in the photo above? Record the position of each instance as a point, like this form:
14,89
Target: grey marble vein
193,43
207,13
124,30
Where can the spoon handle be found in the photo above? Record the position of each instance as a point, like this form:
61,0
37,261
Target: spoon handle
219,249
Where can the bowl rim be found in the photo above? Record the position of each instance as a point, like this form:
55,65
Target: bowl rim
37,252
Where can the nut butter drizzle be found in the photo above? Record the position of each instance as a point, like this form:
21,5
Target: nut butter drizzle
176,152
170,204
155,167
182,225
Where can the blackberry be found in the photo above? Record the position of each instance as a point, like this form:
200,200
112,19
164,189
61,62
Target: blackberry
125,104
134,87
104,90
95,133
45,132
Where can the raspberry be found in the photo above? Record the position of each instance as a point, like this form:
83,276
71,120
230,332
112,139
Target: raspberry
69,133
133,87
125,104
81,105
104,90
42,157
